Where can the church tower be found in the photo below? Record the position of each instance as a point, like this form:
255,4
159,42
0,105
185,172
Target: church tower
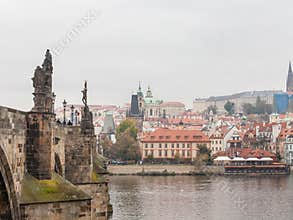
140,98
289,86
149,93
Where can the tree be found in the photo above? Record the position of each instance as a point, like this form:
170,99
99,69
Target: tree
260,107
212,108
106,144
129,125
248,108
126,146
229,107
204,154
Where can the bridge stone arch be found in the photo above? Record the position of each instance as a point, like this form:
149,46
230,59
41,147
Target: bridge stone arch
9,206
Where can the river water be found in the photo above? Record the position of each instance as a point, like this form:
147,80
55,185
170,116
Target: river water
199,197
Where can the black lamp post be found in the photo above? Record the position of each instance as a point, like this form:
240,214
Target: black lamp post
72,113
64,111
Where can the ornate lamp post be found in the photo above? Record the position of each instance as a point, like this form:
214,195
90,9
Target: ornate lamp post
72,113
64,111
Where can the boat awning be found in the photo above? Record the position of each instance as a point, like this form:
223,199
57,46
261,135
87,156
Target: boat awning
222,158
266,159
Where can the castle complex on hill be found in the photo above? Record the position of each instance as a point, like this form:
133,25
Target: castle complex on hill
282,101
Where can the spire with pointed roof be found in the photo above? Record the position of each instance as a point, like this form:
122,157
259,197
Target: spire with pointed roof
149,93
139,92
289,86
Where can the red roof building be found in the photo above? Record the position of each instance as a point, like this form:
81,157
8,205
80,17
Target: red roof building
170,143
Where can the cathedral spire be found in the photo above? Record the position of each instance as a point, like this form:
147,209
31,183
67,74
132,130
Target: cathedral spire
289,83
139,86
139,92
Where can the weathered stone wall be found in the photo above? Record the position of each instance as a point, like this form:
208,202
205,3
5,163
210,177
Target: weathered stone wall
12,141
100,199
59,138
78,156
74,210
134,169
39,144
33,140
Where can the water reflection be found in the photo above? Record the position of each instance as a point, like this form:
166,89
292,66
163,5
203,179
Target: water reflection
215,198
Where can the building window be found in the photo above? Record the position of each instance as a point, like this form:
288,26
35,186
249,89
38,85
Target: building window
145,153
172,153
146,145
166,153
152,145
183,153
160,153
172,145
188,145
188,153
160,145
19,148
151,112
177,145
166,145
183,145
220,142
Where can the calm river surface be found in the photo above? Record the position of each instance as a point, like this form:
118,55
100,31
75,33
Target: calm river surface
189,197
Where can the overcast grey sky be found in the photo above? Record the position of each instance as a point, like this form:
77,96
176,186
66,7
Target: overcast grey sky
182,48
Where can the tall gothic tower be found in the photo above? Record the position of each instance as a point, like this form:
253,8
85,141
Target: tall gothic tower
289,86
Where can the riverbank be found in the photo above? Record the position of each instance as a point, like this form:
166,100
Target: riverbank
163,170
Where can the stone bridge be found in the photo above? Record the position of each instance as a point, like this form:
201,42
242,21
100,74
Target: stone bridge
49,170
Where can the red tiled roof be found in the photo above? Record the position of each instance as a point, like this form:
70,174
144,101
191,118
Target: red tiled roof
176,135
186,121
285,132
249,153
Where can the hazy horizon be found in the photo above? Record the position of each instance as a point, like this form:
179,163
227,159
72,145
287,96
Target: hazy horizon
183,50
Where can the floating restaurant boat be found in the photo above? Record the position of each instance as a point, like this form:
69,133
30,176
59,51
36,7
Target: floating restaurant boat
251,161
265,165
